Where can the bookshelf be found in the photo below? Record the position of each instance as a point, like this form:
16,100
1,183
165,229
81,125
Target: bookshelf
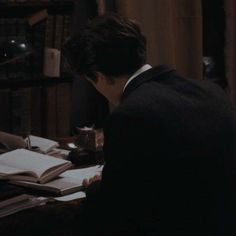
21,9
30,101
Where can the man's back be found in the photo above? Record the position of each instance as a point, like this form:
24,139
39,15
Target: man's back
168,146
169,149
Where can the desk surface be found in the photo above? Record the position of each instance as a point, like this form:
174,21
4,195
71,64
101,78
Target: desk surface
55,218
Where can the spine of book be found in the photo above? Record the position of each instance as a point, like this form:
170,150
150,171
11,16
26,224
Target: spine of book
11,28
37,17
21,111
58,34
5,118
38,39
3,68
67,24
58,31
49,32
101,6
52,62
63,110
36,111
21,29
50,112
2,29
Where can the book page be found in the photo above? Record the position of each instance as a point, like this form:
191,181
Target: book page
8,170
71,197
83,173
30,161
45,145
29,202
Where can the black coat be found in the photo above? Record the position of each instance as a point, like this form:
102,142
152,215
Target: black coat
169,152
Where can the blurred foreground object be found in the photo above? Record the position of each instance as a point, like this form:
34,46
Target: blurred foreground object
10,142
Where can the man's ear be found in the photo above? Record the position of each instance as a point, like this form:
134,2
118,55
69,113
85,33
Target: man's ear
100,76
104,78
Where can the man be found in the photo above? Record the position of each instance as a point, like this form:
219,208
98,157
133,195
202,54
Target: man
168,144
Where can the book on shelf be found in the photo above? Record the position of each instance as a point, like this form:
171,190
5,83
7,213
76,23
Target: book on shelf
52,62
37,17
49,39
9,191
20,111
25,165
36,110
5,124
64,101
68,182
50,111
58,33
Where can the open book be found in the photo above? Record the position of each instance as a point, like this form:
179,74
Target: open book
68,182
45,145
22,164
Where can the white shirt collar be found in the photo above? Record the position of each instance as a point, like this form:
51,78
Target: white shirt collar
136,73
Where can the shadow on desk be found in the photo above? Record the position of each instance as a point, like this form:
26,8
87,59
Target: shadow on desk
54,219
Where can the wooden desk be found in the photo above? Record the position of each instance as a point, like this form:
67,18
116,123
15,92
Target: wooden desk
54,219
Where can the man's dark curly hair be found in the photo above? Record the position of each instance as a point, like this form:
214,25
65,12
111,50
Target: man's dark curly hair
111,44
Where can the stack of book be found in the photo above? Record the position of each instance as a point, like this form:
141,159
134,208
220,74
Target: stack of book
22,170
43,172
19,203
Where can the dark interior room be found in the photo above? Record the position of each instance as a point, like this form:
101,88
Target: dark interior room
117,117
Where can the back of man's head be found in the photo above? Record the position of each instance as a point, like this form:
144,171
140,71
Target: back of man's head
110,44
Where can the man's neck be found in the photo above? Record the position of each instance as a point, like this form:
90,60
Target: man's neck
136,73
114,91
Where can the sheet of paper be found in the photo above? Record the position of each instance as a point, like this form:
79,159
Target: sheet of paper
45,145
70,197
83,173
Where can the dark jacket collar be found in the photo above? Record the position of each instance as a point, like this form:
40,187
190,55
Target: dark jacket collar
146,76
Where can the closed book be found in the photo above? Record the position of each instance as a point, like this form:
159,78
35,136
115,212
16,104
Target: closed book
19,203
5,118
36,111
49,36
52,62
50,112
21,111
58,37
37,17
